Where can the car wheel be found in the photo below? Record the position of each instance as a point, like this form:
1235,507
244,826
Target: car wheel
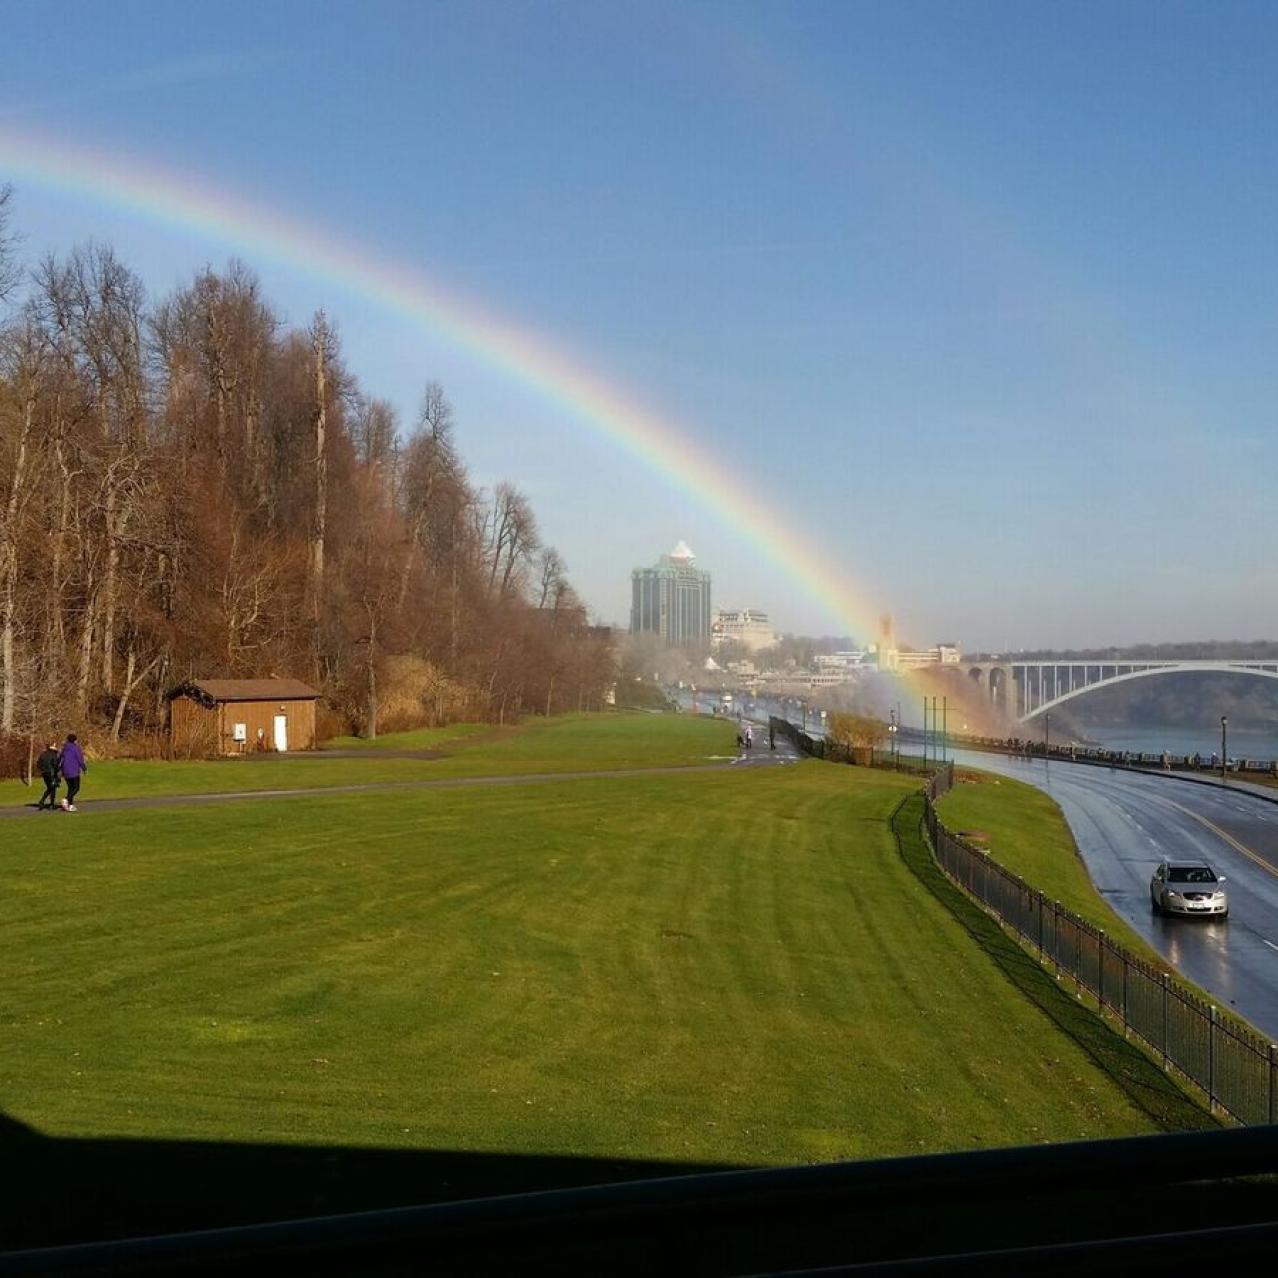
1153,900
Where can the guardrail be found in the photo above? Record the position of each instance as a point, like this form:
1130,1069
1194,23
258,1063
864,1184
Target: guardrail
1237,1070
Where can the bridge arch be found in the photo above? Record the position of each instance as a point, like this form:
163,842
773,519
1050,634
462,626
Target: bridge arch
1267,671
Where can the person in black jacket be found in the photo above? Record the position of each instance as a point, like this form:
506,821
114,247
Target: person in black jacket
47,765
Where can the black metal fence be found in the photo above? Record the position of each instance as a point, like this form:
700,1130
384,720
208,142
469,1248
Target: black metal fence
1144,761
1236,1069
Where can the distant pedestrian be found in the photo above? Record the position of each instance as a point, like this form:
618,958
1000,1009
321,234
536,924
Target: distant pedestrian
47,766
72,765
749,738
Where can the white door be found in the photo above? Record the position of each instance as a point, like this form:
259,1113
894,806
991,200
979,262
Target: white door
281,732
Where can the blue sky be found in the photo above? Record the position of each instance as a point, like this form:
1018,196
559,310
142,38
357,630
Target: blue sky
983,296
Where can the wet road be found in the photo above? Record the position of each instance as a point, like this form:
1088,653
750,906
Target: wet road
1125,823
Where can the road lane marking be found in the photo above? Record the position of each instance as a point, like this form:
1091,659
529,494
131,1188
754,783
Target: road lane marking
1249,853
1271,945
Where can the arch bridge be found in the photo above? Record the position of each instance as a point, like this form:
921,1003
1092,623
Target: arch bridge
1027,689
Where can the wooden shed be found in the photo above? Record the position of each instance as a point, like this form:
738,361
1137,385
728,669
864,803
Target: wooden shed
238,716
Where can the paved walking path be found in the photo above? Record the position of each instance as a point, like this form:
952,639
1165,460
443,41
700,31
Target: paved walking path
755,759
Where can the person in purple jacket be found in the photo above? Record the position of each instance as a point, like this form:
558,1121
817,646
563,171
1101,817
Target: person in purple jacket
72,766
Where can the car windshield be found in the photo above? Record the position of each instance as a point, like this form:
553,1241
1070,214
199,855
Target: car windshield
1190,874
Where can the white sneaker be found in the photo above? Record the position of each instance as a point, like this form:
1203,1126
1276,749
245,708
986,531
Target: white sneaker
70,807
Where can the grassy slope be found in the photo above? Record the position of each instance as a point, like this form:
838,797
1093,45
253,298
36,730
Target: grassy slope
1029,836
729,968
567,743
415,739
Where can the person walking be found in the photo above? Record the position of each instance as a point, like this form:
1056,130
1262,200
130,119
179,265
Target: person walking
47,766
72,765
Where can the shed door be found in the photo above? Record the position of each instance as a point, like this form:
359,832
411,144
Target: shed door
281,732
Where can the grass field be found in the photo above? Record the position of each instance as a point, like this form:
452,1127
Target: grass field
724,968
567,743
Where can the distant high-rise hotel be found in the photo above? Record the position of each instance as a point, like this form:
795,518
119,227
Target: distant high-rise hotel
672,599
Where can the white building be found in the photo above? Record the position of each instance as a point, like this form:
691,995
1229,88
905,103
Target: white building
827,661
944,654
746,626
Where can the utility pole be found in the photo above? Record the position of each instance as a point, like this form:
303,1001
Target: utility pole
1224,724
1047,736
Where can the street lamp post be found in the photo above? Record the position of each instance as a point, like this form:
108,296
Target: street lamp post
896,761
1224,754
1047,736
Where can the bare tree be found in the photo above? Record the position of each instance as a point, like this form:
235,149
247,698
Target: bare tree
552,578
321,346
23,369
511,534
10,271
191,489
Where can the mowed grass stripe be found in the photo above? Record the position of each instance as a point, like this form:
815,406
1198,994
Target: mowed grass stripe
730,968
565,743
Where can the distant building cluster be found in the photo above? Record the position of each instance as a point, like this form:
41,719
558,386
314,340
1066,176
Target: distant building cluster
672,599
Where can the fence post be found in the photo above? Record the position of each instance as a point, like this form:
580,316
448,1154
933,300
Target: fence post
1211,1060
1042,901
1100,969
1273,1069
1166,998
1078,960
1125,1034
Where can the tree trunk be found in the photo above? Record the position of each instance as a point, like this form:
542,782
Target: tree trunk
453,600
86,653
131,681
9,569
108,585
130,662
57,640
320,519
372,674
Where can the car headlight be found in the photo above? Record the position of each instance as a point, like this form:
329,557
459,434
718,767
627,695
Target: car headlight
1173,892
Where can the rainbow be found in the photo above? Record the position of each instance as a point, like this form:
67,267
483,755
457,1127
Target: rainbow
188,203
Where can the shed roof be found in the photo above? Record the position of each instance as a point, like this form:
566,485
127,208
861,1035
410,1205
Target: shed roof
247,690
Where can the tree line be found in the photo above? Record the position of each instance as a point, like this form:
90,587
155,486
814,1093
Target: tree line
191,488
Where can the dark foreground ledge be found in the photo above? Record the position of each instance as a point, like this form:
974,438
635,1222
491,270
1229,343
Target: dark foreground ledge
1150,1204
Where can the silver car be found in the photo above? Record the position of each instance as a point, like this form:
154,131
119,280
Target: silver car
1188,887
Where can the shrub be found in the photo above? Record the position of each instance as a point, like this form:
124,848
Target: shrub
15,753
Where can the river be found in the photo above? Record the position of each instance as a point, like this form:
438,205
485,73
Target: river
1243,743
